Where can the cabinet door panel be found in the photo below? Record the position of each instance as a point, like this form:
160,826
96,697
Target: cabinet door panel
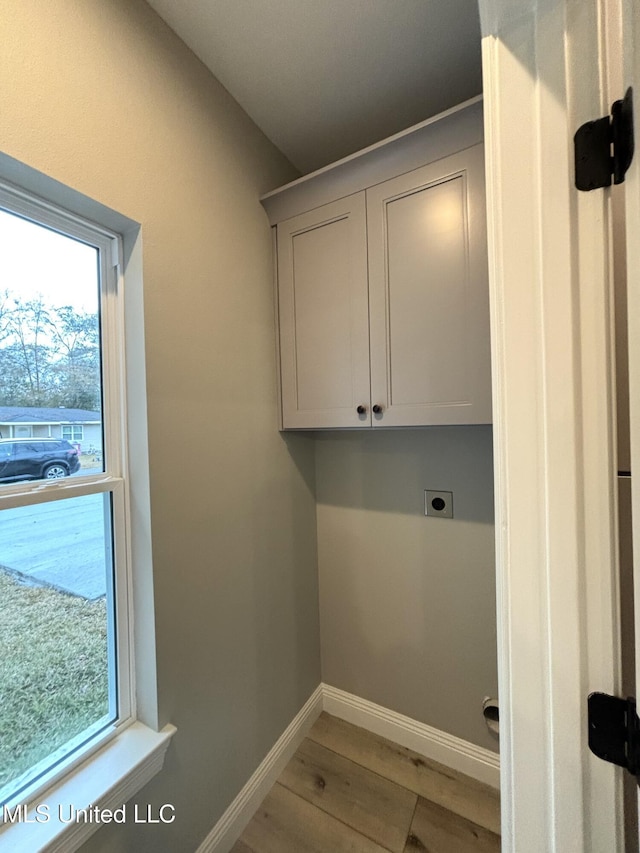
430,343
323,304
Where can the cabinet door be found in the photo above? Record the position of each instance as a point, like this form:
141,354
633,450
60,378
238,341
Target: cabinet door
429,295
323,312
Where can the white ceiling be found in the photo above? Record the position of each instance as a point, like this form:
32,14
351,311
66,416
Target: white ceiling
324,78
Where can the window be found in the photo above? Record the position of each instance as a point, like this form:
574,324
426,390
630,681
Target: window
65,671
74,432
81,506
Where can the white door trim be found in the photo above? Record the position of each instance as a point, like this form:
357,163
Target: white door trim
553,424
631,58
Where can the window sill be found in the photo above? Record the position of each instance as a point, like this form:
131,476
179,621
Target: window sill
106,781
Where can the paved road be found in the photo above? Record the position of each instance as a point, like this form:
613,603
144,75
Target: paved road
59,544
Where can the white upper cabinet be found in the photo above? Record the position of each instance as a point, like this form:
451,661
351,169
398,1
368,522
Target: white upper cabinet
383,292
323,314
429,295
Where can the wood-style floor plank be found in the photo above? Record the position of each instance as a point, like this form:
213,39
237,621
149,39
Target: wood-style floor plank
460,794
437,830
241,847
374,806
285,823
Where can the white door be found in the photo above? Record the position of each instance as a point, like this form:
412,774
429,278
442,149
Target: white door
545,74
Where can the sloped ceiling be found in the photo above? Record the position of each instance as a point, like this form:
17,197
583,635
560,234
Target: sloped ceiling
324,78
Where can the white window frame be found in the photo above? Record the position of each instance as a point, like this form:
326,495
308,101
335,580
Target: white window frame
113,481
119,759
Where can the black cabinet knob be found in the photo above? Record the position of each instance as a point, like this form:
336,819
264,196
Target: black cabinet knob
361,410
377,409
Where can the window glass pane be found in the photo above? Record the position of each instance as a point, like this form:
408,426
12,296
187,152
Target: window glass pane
73,433
50,372
57,667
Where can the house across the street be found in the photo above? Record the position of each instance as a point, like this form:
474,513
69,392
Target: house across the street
81,427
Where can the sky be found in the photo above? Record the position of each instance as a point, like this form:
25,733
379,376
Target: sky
36,261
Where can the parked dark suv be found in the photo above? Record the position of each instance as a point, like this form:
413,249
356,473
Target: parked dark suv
37,459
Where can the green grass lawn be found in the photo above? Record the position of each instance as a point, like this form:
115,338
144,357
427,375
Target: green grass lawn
53,671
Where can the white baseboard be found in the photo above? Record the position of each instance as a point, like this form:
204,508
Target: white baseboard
232,823
458,754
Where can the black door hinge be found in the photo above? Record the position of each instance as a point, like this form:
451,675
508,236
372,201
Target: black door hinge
604,147
614,731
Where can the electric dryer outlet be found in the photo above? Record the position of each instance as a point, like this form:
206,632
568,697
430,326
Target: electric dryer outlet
438,503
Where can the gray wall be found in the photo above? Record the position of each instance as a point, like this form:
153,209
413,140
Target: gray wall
102,96
407,603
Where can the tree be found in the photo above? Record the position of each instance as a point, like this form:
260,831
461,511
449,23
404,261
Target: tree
48,356
75,337
29,359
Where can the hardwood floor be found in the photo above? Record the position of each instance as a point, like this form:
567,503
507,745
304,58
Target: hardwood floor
349,791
